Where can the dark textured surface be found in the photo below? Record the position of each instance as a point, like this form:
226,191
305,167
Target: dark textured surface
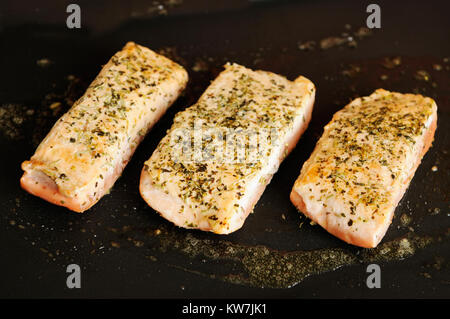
124,248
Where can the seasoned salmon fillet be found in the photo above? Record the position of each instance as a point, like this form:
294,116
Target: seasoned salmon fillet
363,164
89,146
211,168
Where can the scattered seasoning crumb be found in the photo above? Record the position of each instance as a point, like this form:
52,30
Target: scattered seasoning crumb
426,275
422,75
55,105
352,71
330,42
405,248
152,258
434,168
391,62
138,243
200,66
43,63
384,77
437,67
157,232
115,244
363,32
405,219
436,211
159,7
283,217
307,46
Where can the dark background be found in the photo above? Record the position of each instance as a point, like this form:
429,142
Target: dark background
124,248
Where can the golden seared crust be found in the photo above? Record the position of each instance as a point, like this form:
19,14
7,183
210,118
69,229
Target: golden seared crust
363,163
88,147
217,195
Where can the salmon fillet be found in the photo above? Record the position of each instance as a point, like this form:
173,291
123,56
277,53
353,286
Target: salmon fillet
363,164
211,168
87,149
